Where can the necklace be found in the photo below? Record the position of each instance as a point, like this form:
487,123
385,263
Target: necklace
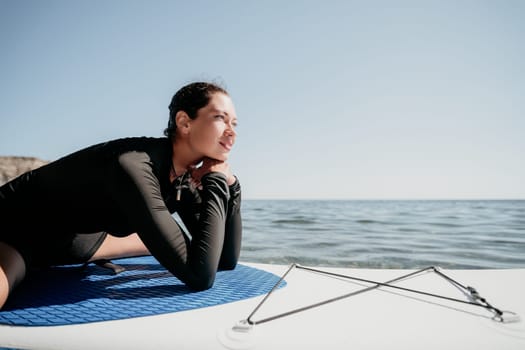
178,187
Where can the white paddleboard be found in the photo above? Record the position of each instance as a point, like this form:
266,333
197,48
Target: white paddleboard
377,319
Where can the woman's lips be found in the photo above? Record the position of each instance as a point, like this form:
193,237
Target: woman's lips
226,145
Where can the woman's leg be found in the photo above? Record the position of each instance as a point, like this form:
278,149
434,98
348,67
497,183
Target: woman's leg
120,247
12,270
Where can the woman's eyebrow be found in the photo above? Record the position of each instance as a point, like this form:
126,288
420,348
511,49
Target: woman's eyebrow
215,110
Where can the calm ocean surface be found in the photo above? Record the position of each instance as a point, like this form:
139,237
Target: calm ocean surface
385,234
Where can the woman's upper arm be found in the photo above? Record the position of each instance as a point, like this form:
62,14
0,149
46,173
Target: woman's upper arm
137,191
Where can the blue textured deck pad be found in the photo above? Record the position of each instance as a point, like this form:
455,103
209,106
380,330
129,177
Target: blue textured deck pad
70,295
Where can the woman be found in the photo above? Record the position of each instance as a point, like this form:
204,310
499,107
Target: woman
115,199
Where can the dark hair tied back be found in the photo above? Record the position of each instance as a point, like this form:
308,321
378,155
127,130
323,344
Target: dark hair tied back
190,99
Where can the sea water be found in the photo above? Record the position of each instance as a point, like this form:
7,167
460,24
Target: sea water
470,234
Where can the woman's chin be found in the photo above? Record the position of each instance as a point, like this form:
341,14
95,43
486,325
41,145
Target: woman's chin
219,156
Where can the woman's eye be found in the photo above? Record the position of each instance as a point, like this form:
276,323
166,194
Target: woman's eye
219,116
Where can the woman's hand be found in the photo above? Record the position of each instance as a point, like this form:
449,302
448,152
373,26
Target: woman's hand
211,165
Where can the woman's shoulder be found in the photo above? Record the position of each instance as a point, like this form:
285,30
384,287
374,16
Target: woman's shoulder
143,143
110,151
117,147
140,151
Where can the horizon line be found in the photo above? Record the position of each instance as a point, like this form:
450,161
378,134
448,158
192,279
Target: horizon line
383,199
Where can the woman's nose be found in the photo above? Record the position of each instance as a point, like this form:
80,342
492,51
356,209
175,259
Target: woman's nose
230,131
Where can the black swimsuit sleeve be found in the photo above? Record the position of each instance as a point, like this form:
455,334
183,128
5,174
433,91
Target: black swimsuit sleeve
137,192
233,235
233,228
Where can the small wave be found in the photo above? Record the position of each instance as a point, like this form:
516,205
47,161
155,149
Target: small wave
504,241
409,229
316,245
294,221
367,221
444,224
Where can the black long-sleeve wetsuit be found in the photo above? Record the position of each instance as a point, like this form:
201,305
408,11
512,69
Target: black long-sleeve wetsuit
61,212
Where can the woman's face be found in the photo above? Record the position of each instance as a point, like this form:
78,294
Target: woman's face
212,133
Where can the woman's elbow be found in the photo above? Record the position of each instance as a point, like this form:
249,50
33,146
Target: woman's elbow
201,283
228,261
205,281
228,265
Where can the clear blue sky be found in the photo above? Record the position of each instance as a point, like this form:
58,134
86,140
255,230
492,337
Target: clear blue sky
335,99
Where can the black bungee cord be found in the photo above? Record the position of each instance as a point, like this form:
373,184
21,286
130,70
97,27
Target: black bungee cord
476,299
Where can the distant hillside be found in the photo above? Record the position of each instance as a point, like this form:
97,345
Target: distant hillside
11,167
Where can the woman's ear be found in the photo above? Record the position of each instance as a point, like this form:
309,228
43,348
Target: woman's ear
183,121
